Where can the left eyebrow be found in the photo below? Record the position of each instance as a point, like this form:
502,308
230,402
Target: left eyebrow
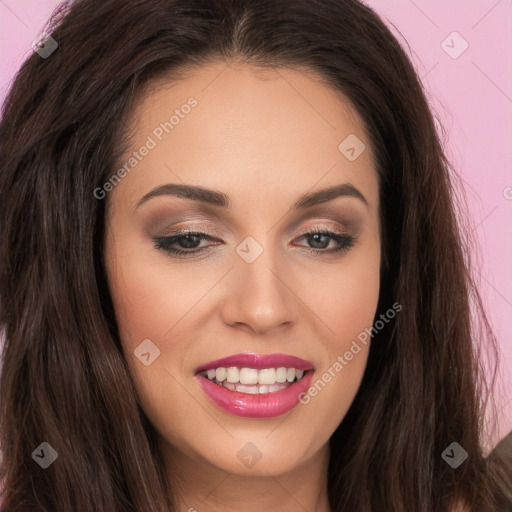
217,198
328,194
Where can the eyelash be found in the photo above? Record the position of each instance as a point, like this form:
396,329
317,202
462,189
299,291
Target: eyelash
165,242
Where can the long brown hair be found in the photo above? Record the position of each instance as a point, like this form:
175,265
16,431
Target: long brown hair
64,378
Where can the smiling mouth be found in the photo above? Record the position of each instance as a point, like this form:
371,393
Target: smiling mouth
254,381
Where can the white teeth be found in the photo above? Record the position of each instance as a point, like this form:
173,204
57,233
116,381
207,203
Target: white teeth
253,390
253,381
281,375
267,376
220,374
232,374
248,376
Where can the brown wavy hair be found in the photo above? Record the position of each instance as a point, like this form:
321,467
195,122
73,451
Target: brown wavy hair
64,377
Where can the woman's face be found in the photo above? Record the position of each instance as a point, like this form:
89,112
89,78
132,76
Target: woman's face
265,143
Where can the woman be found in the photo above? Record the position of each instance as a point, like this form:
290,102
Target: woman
232,275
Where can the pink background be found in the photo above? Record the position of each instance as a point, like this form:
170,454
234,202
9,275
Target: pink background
472,95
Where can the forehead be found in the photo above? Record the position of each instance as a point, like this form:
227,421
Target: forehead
248,128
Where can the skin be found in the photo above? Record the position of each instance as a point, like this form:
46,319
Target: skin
263,137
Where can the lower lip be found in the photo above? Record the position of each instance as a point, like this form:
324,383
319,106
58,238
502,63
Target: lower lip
262,405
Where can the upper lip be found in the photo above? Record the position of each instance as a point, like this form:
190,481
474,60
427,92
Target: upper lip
258,362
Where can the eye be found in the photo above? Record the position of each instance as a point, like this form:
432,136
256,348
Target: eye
186,243
189,241
320,239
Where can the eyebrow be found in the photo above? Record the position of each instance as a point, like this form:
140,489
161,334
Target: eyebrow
217,198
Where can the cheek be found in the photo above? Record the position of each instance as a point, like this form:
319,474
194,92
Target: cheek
147,308
146,305
354,301
346,297
349,307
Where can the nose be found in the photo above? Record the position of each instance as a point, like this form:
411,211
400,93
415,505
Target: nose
260,297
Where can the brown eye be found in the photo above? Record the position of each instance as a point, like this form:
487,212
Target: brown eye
187,243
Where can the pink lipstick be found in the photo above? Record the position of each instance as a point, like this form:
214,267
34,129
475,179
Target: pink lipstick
255,386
